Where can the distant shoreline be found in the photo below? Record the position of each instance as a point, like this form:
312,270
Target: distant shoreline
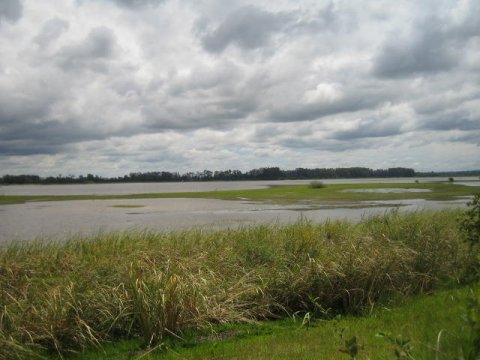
260,174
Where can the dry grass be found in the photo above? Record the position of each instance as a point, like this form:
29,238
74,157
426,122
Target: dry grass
65,297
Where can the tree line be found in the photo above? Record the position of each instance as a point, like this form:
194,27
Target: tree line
264,173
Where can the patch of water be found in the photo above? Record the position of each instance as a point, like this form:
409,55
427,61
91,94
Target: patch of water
63,219
387,190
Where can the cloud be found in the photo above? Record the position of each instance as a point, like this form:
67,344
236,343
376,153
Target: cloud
371,128
186,85
427,52
452,120
132,4
431,45
471,137
10,11
98,46
248,28
51,31
212,113
348,101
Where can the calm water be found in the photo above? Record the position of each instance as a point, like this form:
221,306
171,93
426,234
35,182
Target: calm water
59,220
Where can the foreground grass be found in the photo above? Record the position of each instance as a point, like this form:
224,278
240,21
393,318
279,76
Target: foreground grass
65,297
433,327
334,194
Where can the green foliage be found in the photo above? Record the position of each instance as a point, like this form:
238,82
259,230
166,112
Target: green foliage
471,351
470,226
350,346
402,348
317,184
470,222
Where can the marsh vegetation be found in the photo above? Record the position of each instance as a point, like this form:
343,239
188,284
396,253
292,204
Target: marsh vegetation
286,194
63,298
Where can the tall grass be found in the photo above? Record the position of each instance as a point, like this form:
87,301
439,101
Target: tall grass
63,297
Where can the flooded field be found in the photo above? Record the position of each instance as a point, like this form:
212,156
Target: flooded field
140,188
62,219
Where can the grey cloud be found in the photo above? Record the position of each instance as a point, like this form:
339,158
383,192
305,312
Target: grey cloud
25,148
41,136
98,46
22,114
307,112
470,137
26,108
457,120
34,119
266,132
327,144
10,10
213,97
432,45
218,79
328,17
248,27
438,102
218,113
328,20
25,138
137,3
369,129
427,52
51,31
128,4
469,26
164,84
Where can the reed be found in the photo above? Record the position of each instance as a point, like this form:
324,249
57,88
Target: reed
64,297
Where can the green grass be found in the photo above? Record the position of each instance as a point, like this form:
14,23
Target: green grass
151,287
434,325
331,194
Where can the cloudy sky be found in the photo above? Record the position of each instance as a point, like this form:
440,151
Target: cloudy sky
114,86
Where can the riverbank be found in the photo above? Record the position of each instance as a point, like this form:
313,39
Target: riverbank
64,297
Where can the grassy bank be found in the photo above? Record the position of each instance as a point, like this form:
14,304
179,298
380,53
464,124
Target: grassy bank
334,194
151,286
429,326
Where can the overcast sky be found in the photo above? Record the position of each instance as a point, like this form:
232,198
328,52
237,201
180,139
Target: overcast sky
114,86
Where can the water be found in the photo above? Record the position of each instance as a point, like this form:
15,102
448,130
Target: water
387,191
63,219
60,220
139,188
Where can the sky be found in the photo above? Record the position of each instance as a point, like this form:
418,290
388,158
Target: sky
117,86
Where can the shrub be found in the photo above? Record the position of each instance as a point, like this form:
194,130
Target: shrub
470,222
317,184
